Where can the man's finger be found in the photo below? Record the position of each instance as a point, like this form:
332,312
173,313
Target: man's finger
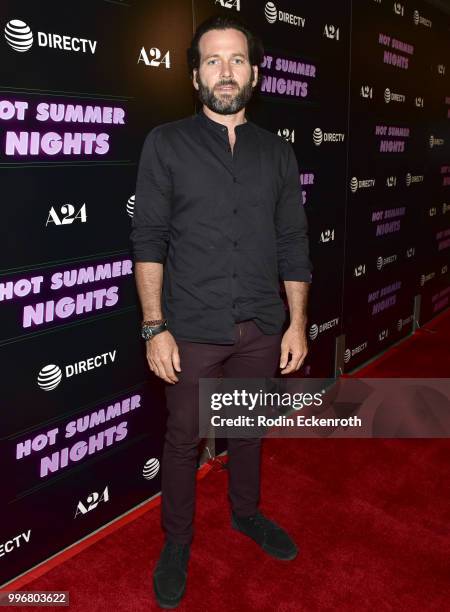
292,364
166,370
176,359
284,357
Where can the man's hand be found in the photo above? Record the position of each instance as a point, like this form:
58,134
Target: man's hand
293,342
163,356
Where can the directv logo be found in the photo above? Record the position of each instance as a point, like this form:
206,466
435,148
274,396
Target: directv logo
435,142
130,206
417,18
271,14
270,11
356,184
319,137
402,322
390,96
313,331
349,353
383,261
19,37
151,468
416,178
51,375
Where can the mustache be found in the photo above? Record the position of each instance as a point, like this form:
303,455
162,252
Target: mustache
225,83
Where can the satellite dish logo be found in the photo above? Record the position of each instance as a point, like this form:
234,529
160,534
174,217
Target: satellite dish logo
379,263
408,179
431,141
49,377
387,95
399,325
130,206
270,11
151,468
313,331
416,17
347,355
18,35
353,184
317,137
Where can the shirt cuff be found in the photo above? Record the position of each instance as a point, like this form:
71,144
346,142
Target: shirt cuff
299,274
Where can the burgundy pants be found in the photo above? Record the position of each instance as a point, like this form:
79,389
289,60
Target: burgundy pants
254,355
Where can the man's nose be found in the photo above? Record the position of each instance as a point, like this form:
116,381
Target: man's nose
226,69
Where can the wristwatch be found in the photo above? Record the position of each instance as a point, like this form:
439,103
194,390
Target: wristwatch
149,329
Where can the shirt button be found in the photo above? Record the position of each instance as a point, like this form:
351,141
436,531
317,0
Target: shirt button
234,274
234,179
234,210
235,243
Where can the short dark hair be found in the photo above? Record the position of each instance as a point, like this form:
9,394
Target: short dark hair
222,22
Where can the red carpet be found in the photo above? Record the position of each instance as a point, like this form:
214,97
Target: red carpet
371,517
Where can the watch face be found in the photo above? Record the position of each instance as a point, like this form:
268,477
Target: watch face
146,333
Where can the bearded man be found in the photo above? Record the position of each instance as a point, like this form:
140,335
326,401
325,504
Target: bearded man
218,222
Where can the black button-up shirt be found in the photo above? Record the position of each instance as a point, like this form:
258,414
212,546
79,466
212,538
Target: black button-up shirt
227,225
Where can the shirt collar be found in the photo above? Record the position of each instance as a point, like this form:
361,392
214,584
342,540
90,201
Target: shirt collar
218,127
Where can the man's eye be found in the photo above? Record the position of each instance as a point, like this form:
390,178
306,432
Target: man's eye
238,59
210,61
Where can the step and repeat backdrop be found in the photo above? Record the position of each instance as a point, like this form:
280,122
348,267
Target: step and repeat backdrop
397,239
361,90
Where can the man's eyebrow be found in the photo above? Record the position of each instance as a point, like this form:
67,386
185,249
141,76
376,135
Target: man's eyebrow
216,55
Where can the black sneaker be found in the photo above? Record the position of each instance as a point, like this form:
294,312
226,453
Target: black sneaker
270,536
170,574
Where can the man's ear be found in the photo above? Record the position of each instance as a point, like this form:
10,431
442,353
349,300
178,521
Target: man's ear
255,74
194,78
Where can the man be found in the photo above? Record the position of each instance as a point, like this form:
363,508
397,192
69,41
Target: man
218,221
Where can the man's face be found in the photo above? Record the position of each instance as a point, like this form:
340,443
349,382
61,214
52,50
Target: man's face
225,78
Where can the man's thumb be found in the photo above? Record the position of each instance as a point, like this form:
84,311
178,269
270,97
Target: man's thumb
176,360
284,358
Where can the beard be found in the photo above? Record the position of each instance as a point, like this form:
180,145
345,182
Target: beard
225,103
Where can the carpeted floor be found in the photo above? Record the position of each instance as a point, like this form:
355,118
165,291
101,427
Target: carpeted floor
371,518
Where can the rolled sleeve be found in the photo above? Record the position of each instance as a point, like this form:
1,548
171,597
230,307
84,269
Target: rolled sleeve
151,218
292,226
